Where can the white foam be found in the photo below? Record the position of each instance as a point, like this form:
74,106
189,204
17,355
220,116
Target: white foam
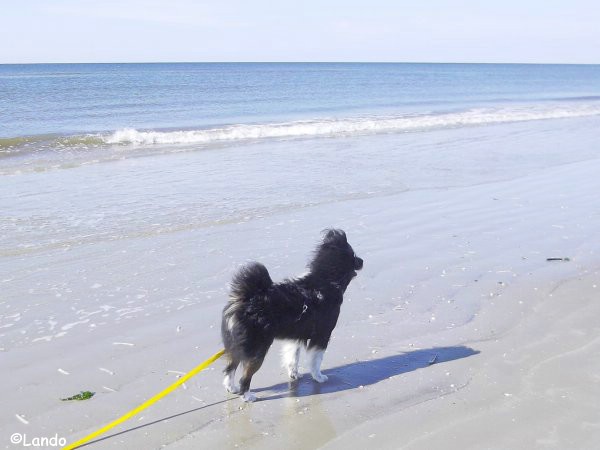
357,125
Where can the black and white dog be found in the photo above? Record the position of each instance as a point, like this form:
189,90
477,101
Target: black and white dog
302,311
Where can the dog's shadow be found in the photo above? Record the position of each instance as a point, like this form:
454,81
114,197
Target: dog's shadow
341,378
365,373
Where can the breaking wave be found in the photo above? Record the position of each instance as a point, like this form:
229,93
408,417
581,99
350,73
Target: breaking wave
323,127
350,126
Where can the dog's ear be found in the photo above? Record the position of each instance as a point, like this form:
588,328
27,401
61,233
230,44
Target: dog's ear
333,236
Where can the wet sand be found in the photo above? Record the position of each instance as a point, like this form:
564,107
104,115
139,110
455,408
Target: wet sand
458,333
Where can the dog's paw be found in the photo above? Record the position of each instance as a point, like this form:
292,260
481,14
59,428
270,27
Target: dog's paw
293,374
248,397
230,386
233,389
319,377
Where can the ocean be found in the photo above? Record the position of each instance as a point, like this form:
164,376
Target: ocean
57,105
109,151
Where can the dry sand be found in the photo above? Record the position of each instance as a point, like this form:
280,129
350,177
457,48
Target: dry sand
457,277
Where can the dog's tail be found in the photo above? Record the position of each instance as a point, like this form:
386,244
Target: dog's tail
250,280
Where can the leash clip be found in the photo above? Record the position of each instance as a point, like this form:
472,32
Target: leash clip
304,309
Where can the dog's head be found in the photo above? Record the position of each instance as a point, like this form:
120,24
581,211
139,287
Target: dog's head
335,260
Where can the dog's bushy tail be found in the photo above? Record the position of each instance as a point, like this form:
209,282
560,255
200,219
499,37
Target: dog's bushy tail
250,280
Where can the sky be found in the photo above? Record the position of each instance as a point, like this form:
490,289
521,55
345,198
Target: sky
524,31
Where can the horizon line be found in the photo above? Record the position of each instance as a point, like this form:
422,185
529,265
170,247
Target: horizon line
302,62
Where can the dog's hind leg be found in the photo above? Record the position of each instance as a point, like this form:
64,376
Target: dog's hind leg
229,380
290,356
251,366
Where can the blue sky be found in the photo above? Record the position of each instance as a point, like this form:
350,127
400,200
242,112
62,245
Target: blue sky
565,31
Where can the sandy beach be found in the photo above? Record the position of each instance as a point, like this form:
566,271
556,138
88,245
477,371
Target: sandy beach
458,333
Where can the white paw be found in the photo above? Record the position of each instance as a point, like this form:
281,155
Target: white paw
293,374
230,386
319,377
248,397
233,389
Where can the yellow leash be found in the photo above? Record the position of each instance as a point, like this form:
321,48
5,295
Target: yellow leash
147,403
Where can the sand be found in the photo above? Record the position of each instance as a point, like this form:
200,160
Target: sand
458,333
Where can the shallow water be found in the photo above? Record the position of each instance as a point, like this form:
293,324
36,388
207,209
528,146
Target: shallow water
170,192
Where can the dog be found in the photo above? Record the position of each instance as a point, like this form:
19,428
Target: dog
302,311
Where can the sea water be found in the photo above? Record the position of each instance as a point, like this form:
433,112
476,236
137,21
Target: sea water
90,152
208,103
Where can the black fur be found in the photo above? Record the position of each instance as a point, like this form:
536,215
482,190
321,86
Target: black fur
305,309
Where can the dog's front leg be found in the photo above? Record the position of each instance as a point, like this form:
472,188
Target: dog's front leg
315,360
